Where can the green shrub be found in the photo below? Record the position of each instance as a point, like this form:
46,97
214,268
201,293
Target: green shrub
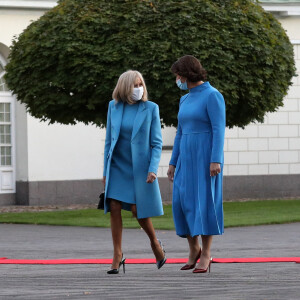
65,65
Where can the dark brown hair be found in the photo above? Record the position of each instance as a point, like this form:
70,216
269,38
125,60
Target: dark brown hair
190,67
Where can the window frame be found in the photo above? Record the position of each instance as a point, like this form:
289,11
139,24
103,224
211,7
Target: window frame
8,171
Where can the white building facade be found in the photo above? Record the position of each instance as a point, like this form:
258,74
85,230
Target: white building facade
58,164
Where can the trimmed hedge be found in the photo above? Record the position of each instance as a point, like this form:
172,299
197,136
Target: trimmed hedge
65,65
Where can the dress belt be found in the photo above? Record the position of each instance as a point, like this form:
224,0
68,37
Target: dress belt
197,132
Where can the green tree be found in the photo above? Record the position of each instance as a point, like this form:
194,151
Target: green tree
65,65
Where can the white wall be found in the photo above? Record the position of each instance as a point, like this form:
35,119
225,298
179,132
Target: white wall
291,25
13,22
274,146
61,152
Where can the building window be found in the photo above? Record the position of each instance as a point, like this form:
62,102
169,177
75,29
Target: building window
3,86
4,113
5,134
5,156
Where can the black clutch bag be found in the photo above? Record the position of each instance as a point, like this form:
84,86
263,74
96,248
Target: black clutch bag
101,201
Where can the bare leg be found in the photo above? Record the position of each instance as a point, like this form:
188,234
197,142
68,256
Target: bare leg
116,231
147,225
194,248
205,254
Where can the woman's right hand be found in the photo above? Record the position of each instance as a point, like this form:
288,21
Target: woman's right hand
104,180
171,172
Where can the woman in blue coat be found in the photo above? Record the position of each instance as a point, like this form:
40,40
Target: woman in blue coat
198,160
132,153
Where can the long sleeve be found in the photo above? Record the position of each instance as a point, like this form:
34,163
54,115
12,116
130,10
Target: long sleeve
155,141
175,152
107,139
176,147
216,113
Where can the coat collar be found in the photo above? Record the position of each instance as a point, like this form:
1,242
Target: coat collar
117,114
116,117
139,118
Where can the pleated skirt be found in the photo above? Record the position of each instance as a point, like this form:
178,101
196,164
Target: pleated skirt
197,197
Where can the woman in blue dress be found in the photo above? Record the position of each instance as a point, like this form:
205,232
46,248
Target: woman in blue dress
196,165
132,153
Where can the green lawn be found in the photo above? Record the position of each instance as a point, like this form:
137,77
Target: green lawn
235,214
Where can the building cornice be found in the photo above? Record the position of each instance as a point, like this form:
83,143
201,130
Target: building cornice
36,4
283,9
295,42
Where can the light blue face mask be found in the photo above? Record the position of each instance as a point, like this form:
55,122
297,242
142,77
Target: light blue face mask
182,86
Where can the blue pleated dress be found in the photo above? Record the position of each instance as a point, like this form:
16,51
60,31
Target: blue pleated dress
121,170
197,197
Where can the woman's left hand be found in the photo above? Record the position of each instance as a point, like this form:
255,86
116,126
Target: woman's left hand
215,169
151,177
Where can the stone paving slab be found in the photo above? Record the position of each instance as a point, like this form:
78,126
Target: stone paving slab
226,281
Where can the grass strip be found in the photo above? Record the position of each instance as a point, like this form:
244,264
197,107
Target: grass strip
248,213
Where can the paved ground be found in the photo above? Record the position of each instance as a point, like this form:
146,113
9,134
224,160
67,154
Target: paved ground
226,281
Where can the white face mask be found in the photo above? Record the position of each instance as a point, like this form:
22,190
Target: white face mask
138,93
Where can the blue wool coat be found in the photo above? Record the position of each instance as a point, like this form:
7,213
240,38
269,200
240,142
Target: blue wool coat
146,146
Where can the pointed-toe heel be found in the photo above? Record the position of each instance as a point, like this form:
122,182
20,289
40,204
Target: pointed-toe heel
113,271
160,263
204,270
116,271
189,267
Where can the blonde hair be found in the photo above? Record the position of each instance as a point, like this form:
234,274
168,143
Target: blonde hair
124,88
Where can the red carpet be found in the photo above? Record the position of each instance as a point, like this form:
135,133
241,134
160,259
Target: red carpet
4,260
257,260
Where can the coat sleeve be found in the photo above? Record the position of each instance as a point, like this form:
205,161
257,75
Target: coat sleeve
107,139
216,113
155,141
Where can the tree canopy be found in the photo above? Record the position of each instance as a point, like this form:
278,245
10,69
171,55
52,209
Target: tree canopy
65,65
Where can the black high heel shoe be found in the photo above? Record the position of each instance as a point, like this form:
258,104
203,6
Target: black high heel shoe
160,263
116,271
